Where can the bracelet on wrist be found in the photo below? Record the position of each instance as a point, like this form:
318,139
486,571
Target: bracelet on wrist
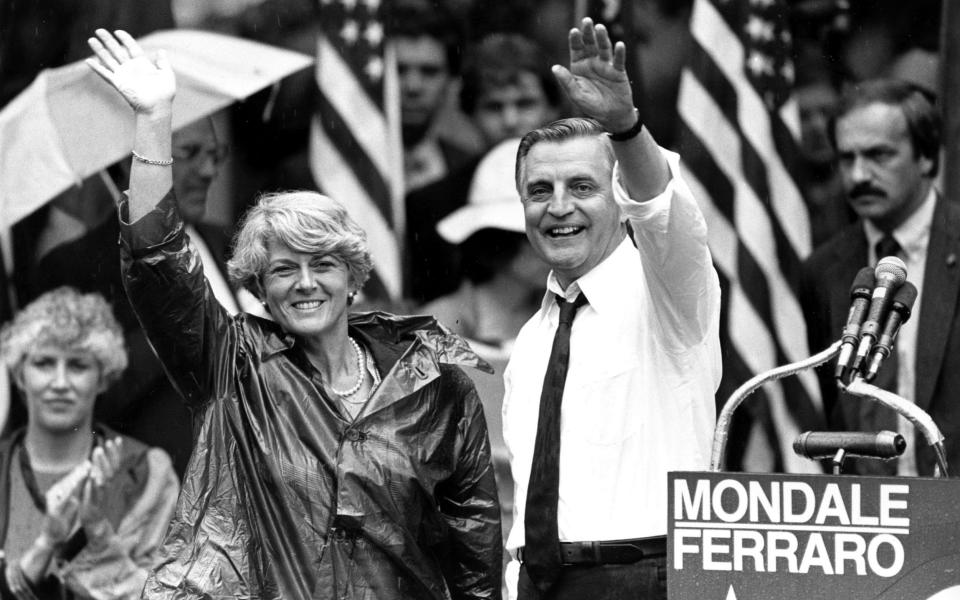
622,136
151,161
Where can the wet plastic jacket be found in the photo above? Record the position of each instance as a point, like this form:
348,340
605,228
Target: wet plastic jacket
283,496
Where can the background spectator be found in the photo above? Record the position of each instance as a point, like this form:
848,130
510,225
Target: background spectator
507,90
83,509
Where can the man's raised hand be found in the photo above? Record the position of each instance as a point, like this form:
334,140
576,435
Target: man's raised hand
597,81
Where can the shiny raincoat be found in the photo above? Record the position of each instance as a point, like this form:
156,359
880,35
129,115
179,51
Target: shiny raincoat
284,497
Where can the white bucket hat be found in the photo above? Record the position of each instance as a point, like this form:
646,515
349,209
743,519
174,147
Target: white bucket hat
493,201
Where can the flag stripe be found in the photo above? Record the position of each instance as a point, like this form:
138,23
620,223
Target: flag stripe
742,318
753,334
728,55
752,221
736,264
355,148
344,143
339,180
737,138
754,167
358,111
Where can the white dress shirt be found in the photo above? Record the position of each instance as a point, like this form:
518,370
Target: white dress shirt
644,366
913,235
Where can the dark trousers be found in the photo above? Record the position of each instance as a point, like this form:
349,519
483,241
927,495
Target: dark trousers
642,580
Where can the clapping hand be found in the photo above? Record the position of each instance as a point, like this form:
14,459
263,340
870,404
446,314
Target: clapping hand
77,499
147,85
597,81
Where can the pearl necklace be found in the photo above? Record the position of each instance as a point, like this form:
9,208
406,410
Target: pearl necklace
361,367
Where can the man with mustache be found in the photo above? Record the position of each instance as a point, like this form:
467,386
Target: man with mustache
887,135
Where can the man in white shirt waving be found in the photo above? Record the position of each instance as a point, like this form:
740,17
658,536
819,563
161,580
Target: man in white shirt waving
596,413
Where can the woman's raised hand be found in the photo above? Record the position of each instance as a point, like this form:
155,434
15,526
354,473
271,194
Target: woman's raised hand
147,85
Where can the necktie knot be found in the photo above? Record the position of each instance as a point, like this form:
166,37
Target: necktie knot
568,310
888,246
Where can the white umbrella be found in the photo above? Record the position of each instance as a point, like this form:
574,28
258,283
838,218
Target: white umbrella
69,123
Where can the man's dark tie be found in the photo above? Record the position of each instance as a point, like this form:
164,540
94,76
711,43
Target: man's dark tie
541,553
888,246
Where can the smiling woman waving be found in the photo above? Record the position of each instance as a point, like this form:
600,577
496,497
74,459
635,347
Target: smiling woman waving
337,455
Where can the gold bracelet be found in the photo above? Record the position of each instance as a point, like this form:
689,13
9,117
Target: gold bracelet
151,161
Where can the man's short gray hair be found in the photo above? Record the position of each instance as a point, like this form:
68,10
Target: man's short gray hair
559,131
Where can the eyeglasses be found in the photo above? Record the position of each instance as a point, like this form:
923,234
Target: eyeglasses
193,152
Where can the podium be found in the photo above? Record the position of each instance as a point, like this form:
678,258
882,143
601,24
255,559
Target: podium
753,536
762,536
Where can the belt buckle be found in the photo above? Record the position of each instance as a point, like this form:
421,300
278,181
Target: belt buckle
579,553
595,552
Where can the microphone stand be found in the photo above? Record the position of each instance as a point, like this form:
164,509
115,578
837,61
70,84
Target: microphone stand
722,429
910,411
857,387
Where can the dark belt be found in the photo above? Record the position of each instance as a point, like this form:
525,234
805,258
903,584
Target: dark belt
607,552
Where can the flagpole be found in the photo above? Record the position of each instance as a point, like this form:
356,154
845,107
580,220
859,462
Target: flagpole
949,96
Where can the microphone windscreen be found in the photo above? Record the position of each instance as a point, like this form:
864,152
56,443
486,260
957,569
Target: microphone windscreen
891,266
906,295
864,279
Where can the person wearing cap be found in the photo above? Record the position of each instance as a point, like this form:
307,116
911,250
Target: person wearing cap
503,277
502,288
507,91
611,383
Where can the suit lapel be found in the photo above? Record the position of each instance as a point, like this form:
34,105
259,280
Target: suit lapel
850,255
940,288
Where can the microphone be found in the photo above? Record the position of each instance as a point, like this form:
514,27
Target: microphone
826,444
899,313
891,273
860,293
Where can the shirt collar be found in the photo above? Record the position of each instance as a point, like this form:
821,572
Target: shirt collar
913,233
602,284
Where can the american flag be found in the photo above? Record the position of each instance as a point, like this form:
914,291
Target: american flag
355,146
739,127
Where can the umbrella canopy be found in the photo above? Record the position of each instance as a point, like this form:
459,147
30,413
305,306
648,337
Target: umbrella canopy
70,124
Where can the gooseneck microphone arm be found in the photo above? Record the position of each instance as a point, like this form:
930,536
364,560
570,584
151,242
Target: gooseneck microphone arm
858,387
910,411
722,429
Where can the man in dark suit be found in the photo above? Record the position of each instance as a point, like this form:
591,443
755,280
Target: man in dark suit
887,135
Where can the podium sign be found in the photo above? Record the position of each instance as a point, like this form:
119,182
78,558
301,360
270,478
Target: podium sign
753,536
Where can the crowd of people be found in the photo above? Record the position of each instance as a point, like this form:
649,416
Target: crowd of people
211,409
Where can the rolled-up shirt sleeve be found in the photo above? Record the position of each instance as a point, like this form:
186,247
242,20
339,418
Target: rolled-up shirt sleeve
671,234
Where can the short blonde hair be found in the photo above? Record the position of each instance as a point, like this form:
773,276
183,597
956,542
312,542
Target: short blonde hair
66,319
306,222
